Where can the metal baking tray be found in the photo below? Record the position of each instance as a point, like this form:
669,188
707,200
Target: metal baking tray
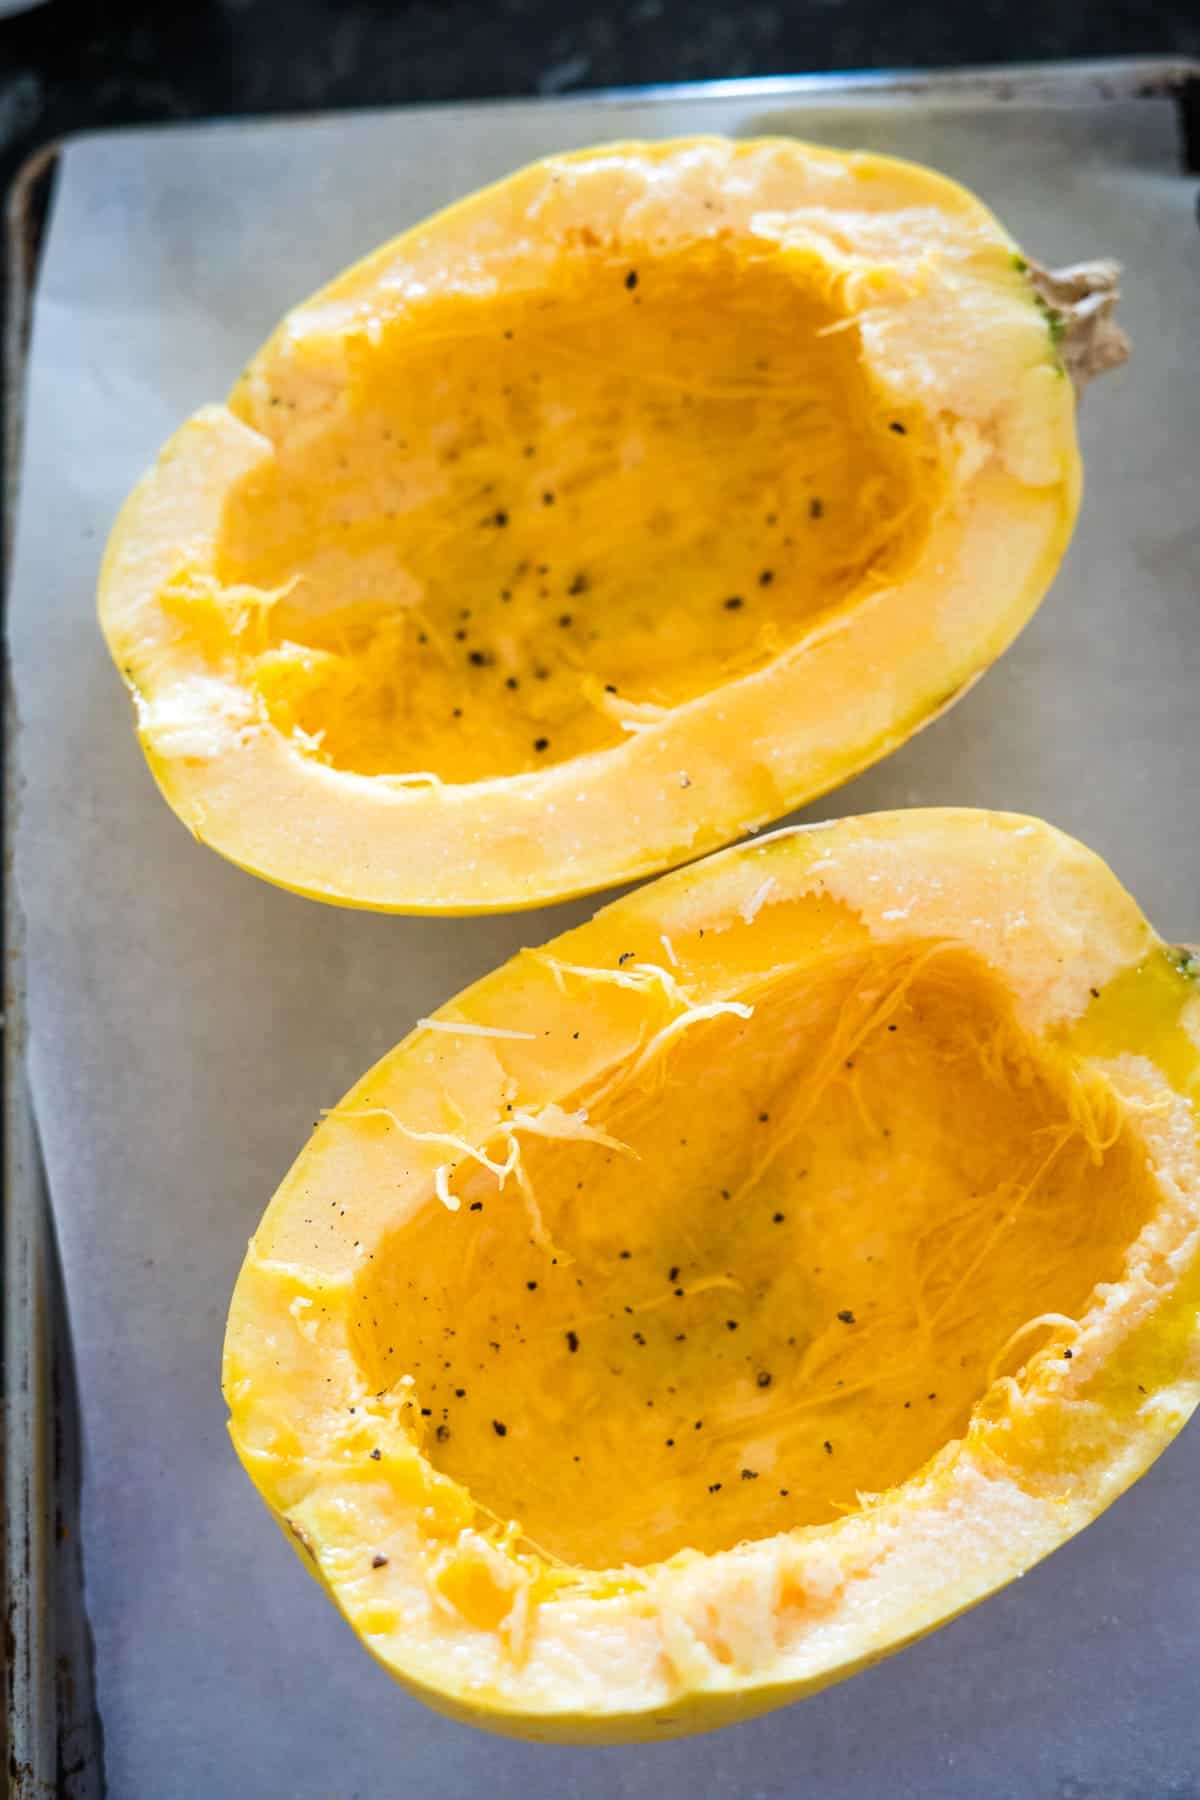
1082,1684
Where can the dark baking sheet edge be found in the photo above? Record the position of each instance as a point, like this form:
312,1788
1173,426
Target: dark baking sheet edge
52,1739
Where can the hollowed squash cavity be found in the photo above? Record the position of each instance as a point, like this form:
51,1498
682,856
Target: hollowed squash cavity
546,520
842,1213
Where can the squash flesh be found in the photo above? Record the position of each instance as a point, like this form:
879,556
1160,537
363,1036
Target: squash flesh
1045,1065
533,526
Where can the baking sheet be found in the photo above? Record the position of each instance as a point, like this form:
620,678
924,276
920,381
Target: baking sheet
187,1023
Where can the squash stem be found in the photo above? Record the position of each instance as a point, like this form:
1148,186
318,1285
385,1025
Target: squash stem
1080,301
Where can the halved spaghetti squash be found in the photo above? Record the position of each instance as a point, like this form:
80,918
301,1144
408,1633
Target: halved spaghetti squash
599,519
716,1299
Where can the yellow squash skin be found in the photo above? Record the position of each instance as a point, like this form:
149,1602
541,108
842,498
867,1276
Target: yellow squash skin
705,1305
607,515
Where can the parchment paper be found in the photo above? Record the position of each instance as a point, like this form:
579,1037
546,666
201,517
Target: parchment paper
188,1021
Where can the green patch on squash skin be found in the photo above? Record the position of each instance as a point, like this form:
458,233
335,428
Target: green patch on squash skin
1140,1012
1184,958
1056,324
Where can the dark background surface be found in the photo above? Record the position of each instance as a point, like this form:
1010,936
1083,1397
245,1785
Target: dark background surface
71,64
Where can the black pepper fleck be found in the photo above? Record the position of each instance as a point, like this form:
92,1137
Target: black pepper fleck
501,1430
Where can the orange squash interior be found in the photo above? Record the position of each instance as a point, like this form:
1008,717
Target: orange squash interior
843,1211
555,517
